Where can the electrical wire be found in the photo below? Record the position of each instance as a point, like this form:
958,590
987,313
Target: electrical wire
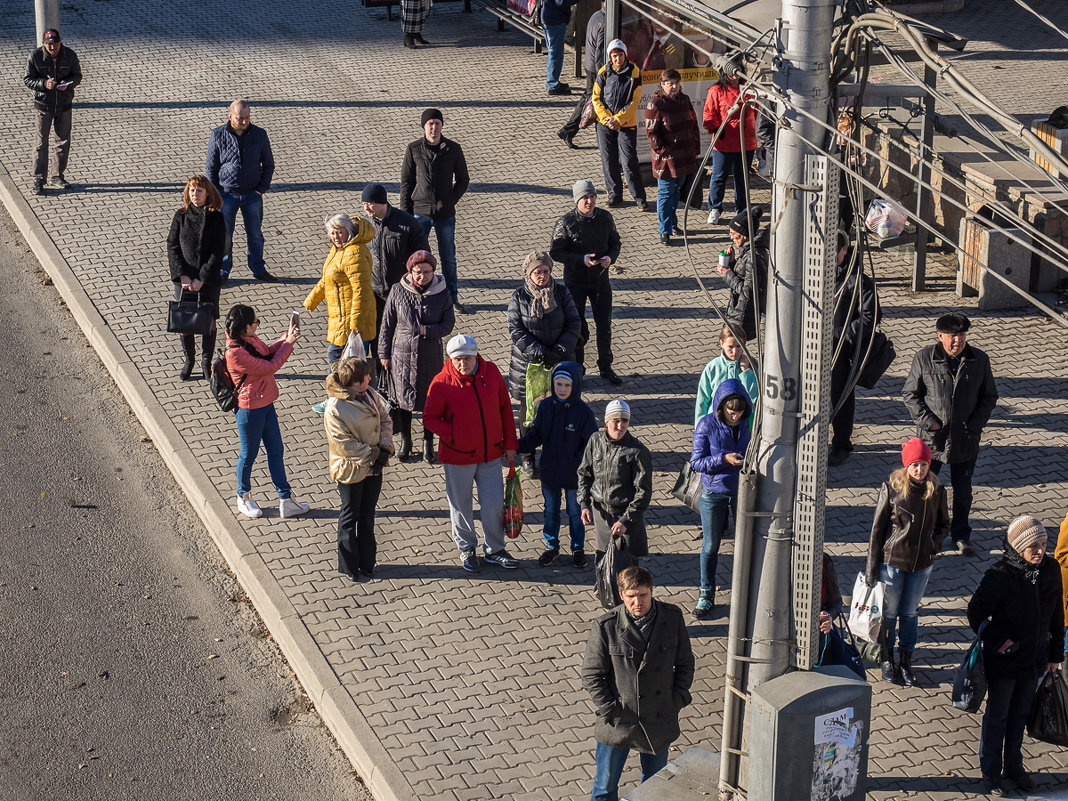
1046,20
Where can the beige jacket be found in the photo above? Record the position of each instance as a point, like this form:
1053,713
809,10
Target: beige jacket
357,429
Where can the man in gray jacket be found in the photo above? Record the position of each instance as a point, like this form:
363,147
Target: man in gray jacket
950,393
638,671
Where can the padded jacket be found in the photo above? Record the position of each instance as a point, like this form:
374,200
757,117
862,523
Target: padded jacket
433,181
907,530
750,265
713,439
548,340
259,388
64,67
471,414
1060,553
718,102
346,287
562,428
397,237
576,235
617,94
715,373
674,138
235,170
358,428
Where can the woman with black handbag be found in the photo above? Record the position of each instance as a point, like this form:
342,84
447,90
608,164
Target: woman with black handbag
195,248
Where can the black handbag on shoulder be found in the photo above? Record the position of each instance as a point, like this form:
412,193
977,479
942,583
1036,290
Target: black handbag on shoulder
688,487
879,359
190,317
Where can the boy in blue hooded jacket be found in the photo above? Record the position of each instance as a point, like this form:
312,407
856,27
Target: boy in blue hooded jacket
719,446
562,426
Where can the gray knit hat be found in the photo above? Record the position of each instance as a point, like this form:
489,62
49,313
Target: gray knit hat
581,189
1024,532
617,408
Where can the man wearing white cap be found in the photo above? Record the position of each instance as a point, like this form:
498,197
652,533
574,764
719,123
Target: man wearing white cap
617,91
468,407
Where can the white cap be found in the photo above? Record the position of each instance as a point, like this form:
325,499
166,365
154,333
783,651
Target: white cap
617,44
462,345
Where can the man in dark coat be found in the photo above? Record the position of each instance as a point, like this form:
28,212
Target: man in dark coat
592,61
52,73
433,179
950,393
638,670
585,241
240,164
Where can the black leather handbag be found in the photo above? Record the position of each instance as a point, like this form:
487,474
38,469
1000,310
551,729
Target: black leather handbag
189,317
688,487
879,360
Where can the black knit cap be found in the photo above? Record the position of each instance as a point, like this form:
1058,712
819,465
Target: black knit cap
740,223
953,323
430,114
373,193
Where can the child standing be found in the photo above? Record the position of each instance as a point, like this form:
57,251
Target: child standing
729,364
615,483
562,426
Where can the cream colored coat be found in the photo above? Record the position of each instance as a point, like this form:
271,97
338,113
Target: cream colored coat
357,429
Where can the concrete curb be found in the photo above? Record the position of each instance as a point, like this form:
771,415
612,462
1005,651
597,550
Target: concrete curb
332,700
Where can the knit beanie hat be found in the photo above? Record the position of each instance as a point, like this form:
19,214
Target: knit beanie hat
421,257
430,114
373,193
617,44
462,345
582,188
915,450
953,323
1024,532
539,258
740,223
617,409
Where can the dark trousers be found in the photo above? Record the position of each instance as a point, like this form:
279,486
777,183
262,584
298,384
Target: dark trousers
356,546
842,423
600,297
616,146
960,477
60,124
1008,704
571,127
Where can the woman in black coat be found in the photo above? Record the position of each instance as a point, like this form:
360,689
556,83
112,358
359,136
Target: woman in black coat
417,318
195,247
1020,596
544,325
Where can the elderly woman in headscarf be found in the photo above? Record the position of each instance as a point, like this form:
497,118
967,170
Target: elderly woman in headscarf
544,325
417,318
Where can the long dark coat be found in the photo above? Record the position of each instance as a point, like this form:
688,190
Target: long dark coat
549,339
196,244
416,358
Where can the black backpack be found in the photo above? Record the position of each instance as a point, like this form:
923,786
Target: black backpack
222,383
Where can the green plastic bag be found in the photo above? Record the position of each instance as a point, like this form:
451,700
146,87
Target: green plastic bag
539,378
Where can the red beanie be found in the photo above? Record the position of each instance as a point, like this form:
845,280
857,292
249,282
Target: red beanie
915,450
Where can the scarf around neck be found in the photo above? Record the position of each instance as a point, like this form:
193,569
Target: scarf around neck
544,297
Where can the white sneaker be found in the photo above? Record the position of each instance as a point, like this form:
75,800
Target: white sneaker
713,216
288,507
248,507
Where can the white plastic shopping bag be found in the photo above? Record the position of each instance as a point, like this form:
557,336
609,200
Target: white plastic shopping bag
884,219
354,348
866,611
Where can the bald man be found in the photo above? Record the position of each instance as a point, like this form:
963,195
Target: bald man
240,164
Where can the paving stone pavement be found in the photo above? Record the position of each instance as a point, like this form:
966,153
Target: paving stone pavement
471,682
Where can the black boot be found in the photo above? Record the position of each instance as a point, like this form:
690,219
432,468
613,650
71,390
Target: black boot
189,345
530,468
890,669
419,38
404,417
409,41
207,353
428,447
905,661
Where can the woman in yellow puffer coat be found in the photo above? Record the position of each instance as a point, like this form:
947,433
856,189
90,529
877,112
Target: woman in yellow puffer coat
346,284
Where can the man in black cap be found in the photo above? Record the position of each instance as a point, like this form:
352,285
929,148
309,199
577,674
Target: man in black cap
950,394
52,73
397,236
433,179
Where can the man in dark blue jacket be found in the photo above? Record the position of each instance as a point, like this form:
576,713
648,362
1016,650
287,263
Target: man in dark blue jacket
241,165
52,73
555,15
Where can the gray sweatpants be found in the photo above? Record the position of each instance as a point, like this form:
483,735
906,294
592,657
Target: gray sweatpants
460,482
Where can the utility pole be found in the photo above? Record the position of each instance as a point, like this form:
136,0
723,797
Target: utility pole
47,14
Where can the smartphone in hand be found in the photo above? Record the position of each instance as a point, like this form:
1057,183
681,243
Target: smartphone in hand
294,320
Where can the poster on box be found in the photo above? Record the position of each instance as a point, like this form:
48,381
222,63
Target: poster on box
838,740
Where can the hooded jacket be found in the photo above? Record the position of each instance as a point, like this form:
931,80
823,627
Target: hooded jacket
259,388
358,428
548,340
718,102
433,179
750,266
471,414
397,237
616,94
908,530
1024,604
715,373
713,439
561,428
674,138
64,67
236,168
346,286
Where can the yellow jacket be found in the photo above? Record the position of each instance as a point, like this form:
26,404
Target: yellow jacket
346,285
617,94
1060,553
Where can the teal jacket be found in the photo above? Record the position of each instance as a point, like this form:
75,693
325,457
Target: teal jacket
716,372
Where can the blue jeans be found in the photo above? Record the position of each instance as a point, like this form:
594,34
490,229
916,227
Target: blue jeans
554,45
1008,704
610,763
251,206
333,353
714,509
446,233
667,202
255,426
960,478
904,591
552,517
723,166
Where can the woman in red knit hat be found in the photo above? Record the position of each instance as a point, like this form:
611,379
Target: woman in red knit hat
911,520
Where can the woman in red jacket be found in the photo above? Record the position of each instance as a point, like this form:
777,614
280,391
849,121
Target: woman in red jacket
468,407
252,364
728,157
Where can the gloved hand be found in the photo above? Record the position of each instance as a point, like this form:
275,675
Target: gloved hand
380,461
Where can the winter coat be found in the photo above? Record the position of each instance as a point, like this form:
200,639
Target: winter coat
415,357
962,403
674,138
638,688
397,237
64,67
715,373
616,94
556,12
718,102
346,286
907,530
561,428
548,340
593,55
854,317
471,414
237,169
1024,604
750,265
196,244
617,476
259,388
433,180
713,439
358,428
575,235
1060,553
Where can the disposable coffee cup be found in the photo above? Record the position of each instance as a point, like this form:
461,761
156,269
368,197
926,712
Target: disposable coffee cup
724,259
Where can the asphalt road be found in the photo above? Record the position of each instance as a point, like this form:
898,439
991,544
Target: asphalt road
131,664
